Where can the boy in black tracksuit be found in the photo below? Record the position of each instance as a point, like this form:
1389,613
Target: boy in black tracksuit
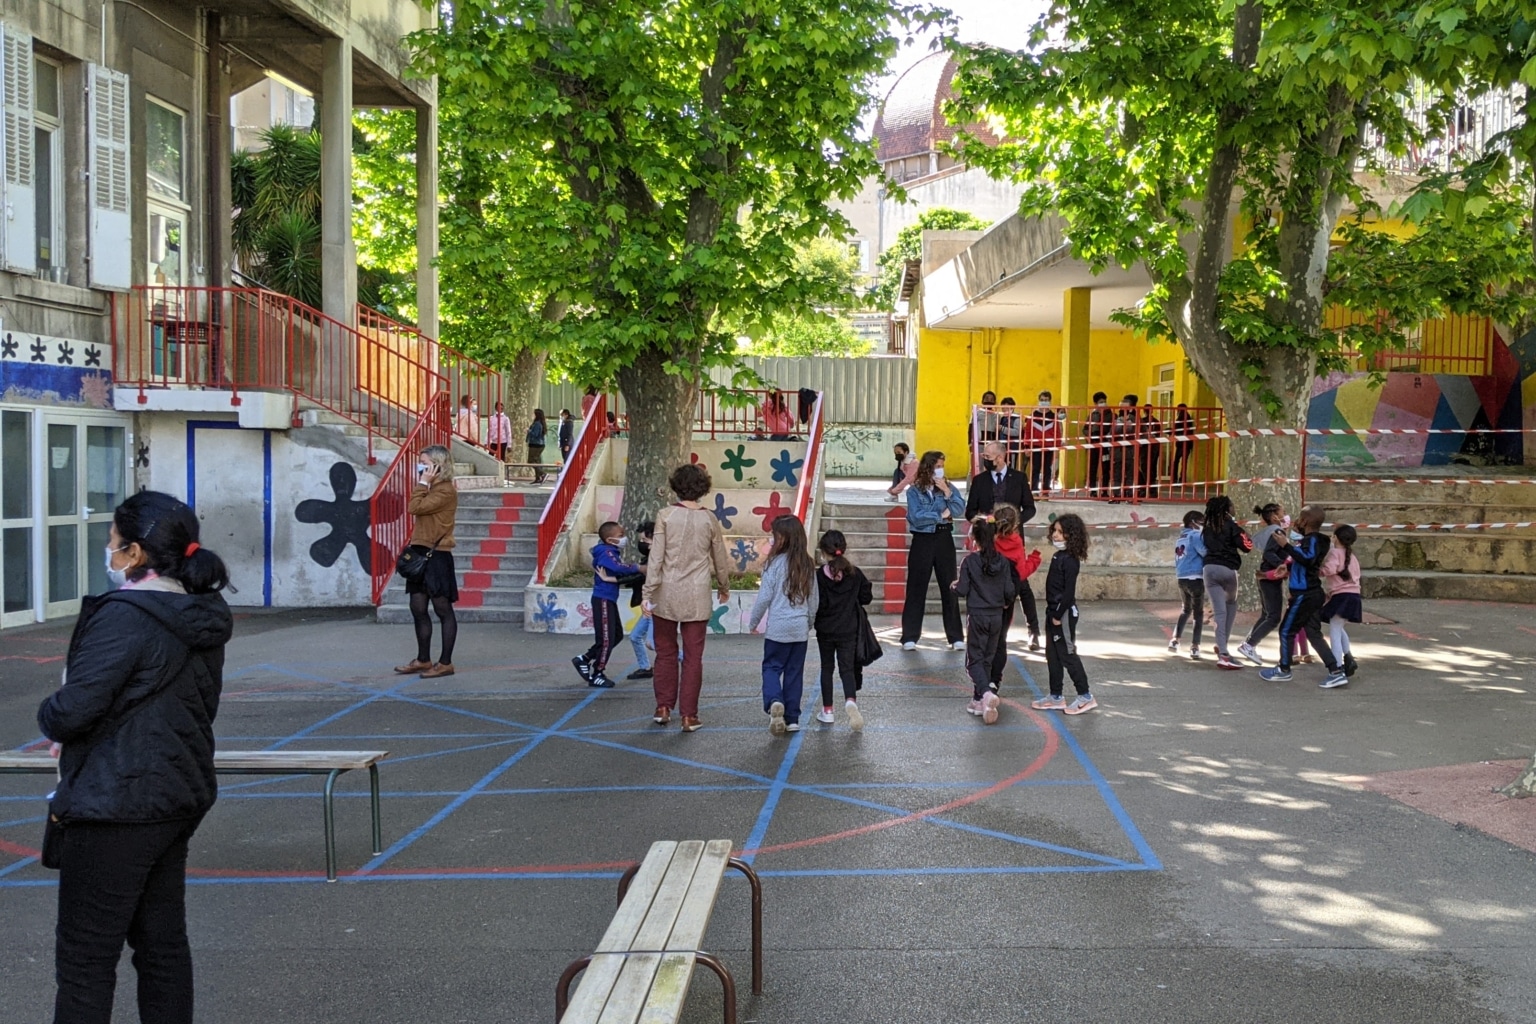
608,570
986,581
1306,552
1070,538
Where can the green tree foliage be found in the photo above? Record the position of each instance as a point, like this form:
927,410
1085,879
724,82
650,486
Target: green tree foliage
909,246
666,159
824,332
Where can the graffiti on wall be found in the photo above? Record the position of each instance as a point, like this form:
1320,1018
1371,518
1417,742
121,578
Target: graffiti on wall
861,450
346,516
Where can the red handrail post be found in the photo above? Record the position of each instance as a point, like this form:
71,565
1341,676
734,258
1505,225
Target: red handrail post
811,470
568,482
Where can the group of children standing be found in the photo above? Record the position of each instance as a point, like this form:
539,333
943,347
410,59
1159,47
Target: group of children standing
1321,575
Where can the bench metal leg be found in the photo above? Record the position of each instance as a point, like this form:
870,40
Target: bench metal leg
563,986
757,922
373,794
330,825
627,877
727,983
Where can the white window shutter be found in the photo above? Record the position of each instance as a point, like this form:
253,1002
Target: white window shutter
111,215
18,225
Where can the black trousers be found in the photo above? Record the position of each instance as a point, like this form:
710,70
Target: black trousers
606,632
1061,655
123,883
1031,610
1181,453
989,633
1041,465
1193,592
1098,470
1301,617
840,650
931,554
1272,595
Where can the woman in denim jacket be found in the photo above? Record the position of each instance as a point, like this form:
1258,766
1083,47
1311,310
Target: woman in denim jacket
933,505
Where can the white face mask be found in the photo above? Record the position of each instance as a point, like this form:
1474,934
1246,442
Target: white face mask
1059,545
1044,403
116,577
619,542
938,473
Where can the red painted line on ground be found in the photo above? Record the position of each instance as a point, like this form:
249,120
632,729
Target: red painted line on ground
35,659
1407,635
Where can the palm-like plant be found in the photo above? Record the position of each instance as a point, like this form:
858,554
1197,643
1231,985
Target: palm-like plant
276,227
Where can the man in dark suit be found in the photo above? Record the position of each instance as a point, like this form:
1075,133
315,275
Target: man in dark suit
998,483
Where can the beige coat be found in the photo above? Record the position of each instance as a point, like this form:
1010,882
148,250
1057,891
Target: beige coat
688,544
435,508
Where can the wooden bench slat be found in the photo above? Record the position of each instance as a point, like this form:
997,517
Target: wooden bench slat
629,993
28,761
699,903
344,760
669,989
653,934
597,983
637,903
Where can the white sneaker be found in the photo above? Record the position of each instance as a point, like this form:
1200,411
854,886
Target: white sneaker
792,727
825,717
855,719
958,645
893,499
1173,645
909,645
776,718
1247,651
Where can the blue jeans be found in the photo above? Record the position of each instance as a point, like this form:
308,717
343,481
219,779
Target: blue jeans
784,676
637,638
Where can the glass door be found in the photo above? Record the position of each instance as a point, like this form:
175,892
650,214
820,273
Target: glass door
17,604
84,474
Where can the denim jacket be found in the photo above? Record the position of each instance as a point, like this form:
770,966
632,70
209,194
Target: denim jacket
925,509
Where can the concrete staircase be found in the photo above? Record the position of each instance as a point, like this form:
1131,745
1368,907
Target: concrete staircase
497,544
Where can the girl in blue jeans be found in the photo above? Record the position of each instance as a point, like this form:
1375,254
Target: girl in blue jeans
785,608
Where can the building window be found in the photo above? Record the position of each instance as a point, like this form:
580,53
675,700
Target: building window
165,142
48,162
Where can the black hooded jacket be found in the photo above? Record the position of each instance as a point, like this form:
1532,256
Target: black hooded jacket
135,716
837,611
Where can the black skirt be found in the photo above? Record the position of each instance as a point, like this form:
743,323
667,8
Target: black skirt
1342,606
440,579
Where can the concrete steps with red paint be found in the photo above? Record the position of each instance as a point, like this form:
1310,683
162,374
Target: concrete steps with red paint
495,554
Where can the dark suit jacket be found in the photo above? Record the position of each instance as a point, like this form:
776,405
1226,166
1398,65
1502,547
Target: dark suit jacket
985,494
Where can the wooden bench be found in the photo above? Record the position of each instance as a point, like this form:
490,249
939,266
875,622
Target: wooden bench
641,968
330,763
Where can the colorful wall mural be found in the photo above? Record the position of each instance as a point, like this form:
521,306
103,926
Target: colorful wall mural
1505,398
569,610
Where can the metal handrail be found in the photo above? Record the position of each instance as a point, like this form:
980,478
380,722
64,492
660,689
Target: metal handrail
388,507
568,483
811,470
466,377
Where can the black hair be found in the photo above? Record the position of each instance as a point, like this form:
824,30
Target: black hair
984,536
689,482
607,530
1193,518
1218,508
538,415
1099,396
647,528
1267,510
1345,535
1129,400
834,548
906,448
166,530
1075,533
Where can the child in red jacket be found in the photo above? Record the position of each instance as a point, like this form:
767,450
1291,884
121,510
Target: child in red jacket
1010,544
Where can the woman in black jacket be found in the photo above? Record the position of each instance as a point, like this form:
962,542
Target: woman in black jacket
135,721
1225,544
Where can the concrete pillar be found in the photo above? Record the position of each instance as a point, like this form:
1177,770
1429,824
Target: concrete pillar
426,220
338,256
218,211
1074,346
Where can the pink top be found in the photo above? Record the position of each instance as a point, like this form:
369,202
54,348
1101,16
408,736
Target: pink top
778,421
499,430
1333,583
468,425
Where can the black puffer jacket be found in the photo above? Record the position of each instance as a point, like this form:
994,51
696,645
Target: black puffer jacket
135,715
837,611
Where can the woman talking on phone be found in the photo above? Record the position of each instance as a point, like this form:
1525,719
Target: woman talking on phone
434,506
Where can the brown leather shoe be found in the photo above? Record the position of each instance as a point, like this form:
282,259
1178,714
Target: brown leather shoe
437,671
691,724
414,667
663,715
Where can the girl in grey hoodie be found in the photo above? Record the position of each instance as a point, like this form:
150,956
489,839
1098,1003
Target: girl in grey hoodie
786,608
987,583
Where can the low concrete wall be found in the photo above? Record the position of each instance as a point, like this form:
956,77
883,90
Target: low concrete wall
569,610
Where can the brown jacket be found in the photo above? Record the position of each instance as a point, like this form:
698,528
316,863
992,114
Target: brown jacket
434,508
688,544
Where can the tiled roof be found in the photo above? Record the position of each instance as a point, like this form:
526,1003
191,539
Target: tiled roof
911,118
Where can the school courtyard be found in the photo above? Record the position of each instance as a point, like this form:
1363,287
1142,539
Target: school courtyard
1204,849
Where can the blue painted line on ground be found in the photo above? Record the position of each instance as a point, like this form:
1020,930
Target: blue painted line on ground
775,791
24,862
233,788
24,821
1144,850
409,699
328,719
483,783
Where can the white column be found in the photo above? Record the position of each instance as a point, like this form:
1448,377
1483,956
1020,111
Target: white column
338,256
426,220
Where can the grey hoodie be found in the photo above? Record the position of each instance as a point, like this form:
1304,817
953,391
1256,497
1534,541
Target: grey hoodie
787,623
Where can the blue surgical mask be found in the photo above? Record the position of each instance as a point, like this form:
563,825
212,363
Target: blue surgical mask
116,577
1295,537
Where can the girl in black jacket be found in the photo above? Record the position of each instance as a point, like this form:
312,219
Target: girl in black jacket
135,720
986,582
843,590
1070,539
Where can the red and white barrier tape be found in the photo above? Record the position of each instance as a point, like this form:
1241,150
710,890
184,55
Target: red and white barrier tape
1222,435
1152,524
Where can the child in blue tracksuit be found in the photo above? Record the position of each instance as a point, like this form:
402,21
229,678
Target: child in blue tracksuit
1307,549
1189,566
608,572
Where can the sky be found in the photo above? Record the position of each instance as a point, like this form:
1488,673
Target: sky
1004,23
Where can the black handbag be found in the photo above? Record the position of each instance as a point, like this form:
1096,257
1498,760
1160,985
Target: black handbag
412,564
866,650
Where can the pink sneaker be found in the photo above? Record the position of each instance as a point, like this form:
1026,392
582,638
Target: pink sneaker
989,708
973,708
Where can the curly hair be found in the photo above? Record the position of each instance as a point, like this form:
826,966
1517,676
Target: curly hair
1075,534
923,481
689,482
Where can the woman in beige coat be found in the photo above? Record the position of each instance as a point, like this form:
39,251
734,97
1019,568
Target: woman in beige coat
689,548
434,508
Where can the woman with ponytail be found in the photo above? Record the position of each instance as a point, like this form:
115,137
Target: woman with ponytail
133,725
843,591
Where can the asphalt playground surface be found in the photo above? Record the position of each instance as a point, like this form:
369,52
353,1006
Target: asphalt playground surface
1197,850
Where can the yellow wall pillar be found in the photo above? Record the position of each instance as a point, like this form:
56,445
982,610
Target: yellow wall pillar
1074,346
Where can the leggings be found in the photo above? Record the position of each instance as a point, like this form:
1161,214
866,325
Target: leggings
1193,592
1221,586
423,621
841,651
1272,594
1338,637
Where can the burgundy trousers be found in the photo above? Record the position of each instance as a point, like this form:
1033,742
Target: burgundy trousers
677,685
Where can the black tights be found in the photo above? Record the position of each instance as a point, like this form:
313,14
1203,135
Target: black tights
445,615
